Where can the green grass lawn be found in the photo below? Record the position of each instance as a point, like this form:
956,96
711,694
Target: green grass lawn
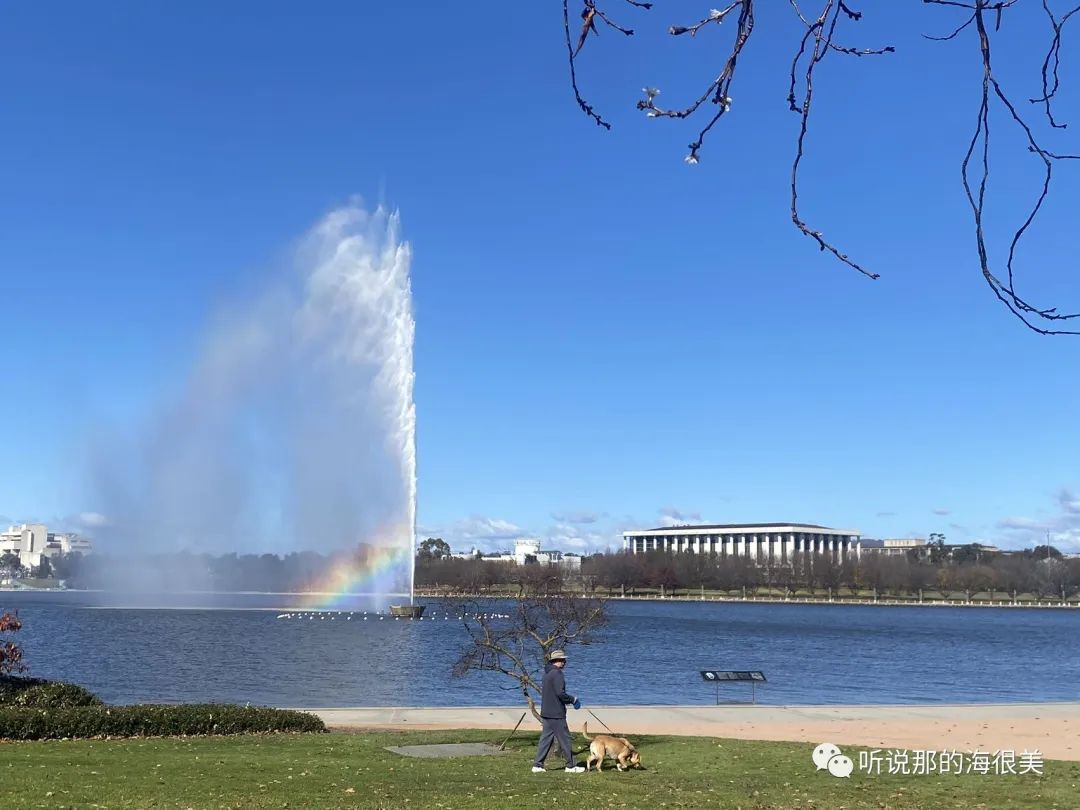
354,770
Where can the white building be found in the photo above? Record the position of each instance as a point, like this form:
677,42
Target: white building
524,549
528,550
73,543
756,542
32,541
895,547
504,556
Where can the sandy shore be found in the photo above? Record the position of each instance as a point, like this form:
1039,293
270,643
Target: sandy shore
1052,728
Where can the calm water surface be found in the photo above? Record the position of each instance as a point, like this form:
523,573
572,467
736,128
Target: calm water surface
235,649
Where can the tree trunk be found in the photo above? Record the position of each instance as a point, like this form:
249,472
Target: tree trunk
532,706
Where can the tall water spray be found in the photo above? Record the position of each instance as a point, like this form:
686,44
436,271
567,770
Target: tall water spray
360,292
296,428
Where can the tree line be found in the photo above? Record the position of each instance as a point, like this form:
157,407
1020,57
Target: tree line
1042,571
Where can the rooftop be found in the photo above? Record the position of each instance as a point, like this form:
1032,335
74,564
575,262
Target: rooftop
688,527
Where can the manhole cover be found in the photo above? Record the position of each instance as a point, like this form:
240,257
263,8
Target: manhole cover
446,750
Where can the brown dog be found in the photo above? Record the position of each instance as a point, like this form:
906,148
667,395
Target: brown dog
618,748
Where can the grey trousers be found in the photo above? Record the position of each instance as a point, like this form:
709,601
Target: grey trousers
555,729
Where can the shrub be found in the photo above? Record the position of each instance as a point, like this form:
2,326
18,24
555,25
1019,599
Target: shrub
11,657
24,723
36,692
11,686
54,694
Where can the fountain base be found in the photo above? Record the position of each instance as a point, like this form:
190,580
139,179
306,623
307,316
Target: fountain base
407,611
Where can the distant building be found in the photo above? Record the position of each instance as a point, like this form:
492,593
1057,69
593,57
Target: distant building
32,541
72,543
528,551
571,561
896,547
29,541
756,542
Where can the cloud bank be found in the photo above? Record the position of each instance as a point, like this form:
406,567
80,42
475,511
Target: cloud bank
1063,526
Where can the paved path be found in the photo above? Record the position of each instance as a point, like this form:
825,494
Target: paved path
1052,728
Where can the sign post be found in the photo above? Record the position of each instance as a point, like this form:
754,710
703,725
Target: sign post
718,677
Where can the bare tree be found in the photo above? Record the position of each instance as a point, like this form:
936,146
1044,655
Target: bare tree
982,20
543,616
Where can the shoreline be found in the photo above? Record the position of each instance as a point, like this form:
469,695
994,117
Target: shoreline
764,600
803,600
1050,728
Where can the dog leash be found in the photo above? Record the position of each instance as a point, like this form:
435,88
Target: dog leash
601,722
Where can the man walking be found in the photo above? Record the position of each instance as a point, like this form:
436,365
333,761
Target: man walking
553,702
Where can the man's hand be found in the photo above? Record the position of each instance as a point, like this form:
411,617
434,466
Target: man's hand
577,703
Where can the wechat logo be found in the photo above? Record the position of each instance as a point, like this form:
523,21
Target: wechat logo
828,757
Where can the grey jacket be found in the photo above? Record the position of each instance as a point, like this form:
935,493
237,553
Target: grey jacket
554,699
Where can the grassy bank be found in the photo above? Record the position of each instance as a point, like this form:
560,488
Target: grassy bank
354,770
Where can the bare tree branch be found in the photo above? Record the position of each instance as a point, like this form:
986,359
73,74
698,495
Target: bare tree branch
589,13
817,41
821,31
954,34
719,90
1053,55
1040,319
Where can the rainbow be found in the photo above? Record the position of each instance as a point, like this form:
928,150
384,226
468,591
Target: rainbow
370,571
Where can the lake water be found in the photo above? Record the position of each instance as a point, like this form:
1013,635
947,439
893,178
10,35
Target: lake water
235,649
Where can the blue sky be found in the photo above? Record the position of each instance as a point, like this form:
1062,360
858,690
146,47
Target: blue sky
606,336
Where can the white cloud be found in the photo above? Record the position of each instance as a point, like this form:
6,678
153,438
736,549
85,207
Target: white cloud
670,516
497,534
940,511
1063,528
489,528
1023,524
576,516
1069,501
568,537
92,520
886,514
476,531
